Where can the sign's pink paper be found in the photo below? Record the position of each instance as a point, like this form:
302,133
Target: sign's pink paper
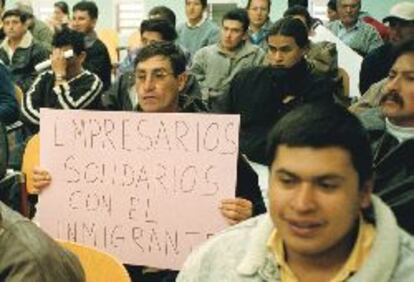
144,187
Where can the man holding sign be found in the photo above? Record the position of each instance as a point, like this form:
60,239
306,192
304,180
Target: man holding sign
160,73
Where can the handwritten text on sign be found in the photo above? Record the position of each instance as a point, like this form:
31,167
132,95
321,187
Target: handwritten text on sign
144,187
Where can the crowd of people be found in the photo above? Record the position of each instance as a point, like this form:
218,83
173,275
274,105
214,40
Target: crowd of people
338,199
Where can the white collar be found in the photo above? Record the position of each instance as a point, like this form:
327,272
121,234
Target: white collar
399,132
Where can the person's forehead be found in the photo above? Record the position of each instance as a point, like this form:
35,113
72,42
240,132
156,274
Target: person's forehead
232,24
12,18
81,13
193,2
328,160
259,3
156,62
149,34
348,2
405,62
281,40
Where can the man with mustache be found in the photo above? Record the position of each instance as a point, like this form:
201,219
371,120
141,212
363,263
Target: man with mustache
391,127
323,222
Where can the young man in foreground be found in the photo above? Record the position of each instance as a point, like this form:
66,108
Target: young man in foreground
323,223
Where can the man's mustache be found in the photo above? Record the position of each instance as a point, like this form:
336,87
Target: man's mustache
392,96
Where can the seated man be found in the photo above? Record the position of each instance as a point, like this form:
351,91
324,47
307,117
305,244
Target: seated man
323,224
378,62
355,33
122,94
258,12
19,51
263,94
322,56
67,85
392,138
85,15
198,31
26,252
9,110
161,75
214,66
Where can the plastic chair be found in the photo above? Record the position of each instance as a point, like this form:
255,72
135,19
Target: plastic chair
19,94
134,40
344,76
98,265
31,159
111,40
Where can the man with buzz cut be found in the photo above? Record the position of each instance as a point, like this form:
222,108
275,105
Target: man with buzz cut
198,31
85,15
323,222
214,66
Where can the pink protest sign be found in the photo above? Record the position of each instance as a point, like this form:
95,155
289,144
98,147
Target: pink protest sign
143,187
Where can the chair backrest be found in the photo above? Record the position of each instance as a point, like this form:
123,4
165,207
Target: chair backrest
98,265
111,40
31,159
18,92
134,40
344,76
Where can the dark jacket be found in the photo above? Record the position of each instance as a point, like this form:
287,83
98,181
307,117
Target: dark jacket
98,61
28,254
80,92
393,168
375,66
118,96
23,62
9,110
262,95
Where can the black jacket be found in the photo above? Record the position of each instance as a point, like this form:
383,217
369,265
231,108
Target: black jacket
98,61
375,66
262,95
393,169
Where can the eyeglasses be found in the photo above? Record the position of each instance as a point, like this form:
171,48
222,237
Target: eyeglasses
156,76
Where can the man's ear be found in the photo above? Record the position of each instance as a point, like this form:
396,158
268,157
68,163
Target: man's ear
365,193
182,80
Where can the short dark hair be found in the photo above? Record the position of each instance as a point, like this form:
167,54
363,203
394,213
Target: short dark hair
63,6
404,47
163,12
15,13
303,3
297,10
239,15
249,2
293,28
332,5
87,6
161,26
70,37
203,3
166,49
320,125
